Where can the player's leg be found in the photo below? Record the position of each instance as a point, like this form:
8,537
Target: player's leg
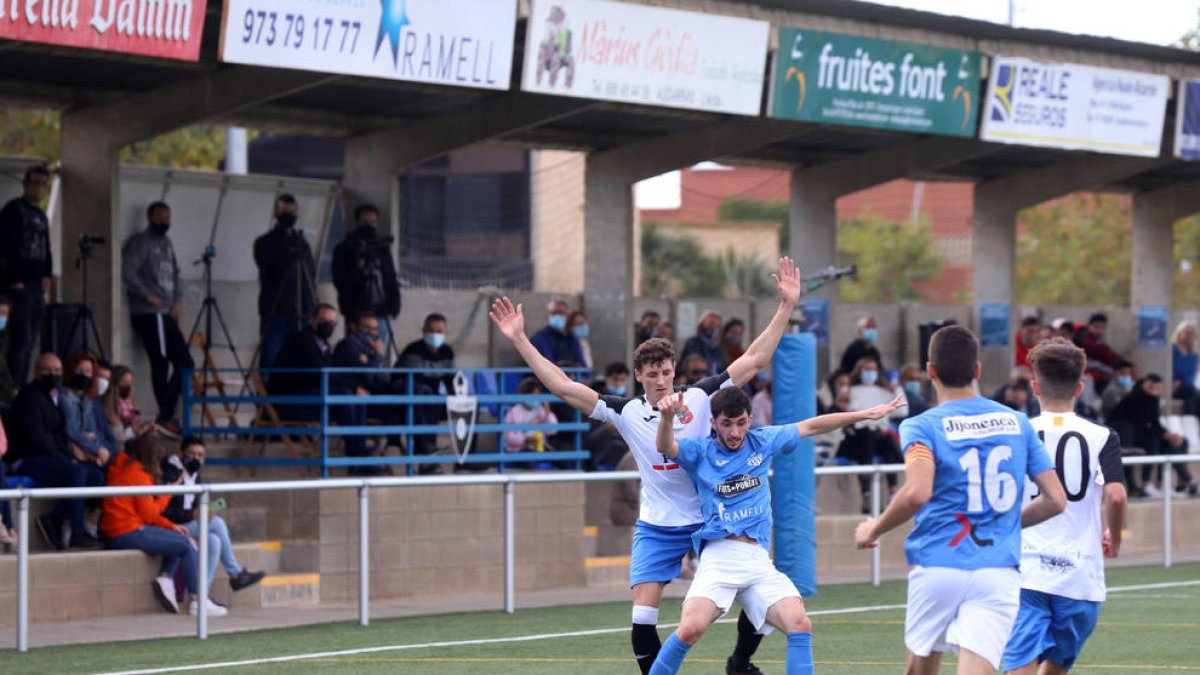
922,665
698,614
1029,634
1074,621
718,578
934,594
653,561
771,600
748,639
788,615
644,634
985,619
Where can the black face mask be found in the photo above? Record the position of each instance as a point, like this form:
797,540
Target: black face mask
160,228
192,465
49,382
83,382
286,220
324,329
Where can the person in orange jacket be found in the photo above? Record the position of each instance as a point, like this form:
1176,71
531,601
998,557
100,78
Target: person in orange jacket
138,523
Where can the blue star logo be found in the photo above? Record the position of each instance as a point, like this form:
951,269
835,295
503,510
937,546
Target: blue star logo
391,23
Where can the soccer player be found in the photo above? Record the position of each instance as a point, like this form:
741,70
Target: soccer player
965,463
730,473
670,509
1062,560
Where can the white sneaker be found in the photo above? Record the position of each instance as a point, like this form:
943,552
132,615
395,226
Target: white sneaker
212,608
1151,491
164,592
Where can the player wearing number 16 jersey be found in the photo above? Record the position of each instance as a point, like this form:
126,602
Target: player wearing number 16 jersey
1062,560
965,466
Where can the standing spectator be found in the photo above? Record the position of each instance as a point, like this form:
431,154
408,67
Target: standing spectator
1136,419
863,346
578,324
870,439
138,523
1028,335
124,415
914,390
26,268
41,451
1118,388
8,386
706,343
77,398
430,353
286,280
692,369
363,348
184,469
151,276
554,341
761,408
518,440
364,273
8,534
732,334
647,327
1101,357
1183,367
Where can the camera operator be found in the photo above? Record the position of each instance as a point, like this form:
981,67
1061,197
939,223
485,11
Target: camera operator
364,274
26,268
151,276
286,278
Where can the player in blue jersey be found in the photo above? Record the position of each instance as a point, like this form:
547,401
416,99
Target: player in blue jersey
730,473
965,466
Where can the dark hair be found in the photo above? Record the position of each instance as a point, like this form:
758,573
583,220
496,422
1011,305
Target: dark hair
1122,364
652,351
954,352
651,313
831,381
529,385
154,206
190,440
4,300
148,451
430,318
358,318
324,305
285,198
102,364
1153,377
730,402
731,323
364,208
1030,321
576,313
615,368
1098,317
37,170
1058,366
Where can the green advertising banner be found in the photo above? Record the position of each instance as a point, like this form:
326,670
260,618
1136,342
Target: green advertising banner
834,78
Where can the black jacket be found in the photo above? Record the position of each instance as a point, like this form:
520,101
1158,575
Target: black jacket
364,275
417,354
303,349
286,274
856,351
1140,410
24,244
42,431
355,352
175,512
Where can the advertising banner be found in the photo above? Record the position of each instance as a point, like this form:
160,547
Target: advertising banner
866,82
993,324
1064,105
1152,325
467,43
165,28
1187,121
648,55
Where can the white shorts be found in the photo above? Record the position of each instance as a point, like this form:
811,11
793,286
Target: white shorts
949,608
730,570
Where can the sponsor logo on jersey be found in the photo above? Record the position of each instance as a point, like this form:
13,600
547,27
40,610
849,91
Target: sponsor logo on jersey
755,460
684,415
1056,563
730,515
968,529
737,485
967,427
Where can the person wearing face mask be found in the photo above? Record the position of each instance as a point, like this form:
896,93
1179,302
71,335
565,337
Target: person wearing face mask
913,385
287,281
26,268
363,348
732,335
364,273
554,341
430,353
152,286
864,345
871,439
1121,384
40,450
8,386
78,396
578,324
706,343
517,440
121,409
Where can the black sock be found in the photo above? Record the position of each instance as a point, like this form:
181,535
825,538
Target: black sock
747,642
646,644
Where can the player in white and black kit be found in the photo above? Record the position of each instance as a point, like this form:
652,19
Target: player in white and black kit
1062,559
670,508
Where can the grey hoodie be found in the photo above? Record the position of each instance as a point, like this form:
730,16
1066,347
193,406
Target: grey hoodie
148,268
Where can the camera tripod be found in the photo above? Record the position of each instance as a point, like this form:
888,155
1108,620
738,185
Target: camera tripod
208,309
84,321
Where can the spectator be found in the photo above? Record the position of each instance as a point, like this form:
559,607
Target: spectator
1183,367
615,382
578,324
99,416
184,468
647,327
364,273
8,386
124,416
1136,419
1063,328
8,534
1028,335
863,346
1017,393
77,398
871,439
666,331
151,276
138,523
761,409
554,341
835,395
286,280
518,440
1118,388
1101,357
706,343
308,351
914,390
363,348
604,442
40,450
430,353
26,267
692,369
624,508
731,339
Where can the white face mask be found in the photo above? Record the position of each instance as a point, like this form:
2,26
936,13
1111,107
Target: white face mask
101,386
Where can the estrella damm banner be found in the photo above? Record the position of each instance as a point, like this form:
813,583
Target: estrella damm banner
851,80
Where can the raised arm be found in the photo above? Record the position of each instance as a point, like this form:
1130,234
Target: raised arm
668,406
1050,502
823,424
511,323
759,354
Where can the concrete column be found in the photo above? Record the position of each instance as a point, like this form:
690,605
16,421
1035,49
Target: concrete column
812,223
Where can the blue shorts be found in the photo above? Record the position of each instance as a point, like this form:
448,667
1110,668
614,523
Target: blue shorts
1050,627
658,552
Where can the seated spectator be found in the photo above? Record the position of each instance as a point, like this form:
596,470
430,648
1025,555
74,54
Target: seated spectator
138,523
1028,335
1136,419
554,341
578,324
666,331
362,348
8,386
78,400
1183,367
40,450
626,503
1017,393
124,416
692,369
761,409
1118,388
519,440
8,534
706,344
430,353
834,396
863,346
870,439
604,442
914,389
184,468
615,382
646,327
1063,328
1101,357
98,413
732,335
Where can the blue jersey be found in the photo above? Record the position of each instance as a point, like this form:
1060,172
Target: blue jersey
982,452
735,497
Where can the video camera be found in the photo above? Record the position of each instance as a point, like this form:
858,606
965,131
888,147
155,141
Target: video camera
86,243
818,279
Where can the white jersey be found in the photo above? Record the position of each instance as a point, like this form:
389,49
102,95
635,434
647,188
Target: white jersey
1063,556
669,497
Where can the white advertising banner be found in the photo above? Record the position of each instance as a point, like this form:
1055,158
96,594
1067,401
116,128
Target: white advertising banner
467,43
631,53
1064,105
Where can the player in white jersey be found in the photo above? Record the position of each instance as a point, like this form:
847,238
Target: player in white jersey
670,508
1062,559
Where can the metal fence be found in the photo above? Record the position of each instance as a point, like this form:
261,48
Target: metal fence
23,497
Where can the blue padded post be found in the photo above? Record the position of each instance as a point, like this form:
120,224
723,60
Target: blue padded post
794,490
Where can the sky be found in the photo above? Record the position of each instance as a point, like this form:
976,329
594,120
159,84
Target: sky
1153,21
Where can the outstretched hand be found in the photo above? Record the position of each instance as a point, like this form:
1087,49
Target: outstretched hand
509,320
862,534
788,281
670,405
881,411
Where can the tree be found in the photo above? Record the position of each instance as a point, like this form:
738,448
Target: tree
1187,263
752,210
893,258
675,265
1075,251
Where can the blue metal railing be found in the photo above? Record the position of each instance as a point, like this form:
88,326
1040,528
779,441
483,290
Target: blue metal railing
498,403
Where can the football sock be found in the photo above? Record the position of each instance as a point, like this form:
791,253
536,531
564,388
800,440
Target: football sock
799,654
747,642
670,659
644,636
